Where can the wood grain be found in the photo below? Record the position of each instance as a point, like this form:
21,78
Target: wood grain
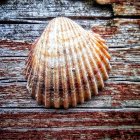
78,134
117,32
124,68
114,95
70,124
35,9
113,114
126,8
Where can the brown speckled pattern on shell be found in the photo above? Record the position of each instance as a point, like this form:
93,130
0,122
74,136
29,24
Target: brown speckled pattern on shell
66,65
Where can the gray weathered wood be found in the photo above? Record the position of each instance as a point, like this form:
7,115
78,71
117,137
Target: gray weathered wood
117,32
36,9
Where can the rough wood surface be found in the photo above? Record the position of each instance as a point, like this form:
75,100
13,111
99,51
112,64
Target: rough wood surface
71,124
117,32
126,8
35,9
123,7
115,95
113,114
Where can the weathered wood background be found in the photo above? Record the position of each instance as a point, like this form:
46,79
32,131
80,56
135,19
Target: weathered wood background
113,114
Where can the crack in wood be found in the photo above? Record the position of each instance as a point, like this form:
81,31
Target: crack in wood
40,20
71,110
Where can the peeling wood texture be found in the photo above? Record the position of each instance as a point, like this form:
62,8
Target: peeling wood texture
113,114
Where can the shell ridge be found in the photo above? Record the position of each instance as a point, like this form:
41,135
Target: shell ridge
64,69
84,81
60,66
100,69
103,59
71,76
51,67
32,78
29,61
47,99
100,46
98,61
80,90
29,69
41,70
56,97
47,87
87,88
91,50
34,70
88,59
98,77
39,86
99,39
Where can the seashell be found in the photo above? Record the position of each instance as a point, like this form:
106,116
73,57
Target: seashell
66,65
102,2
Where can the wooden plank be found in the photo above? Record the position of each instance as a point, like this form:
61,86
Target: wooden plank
113,114
94,133
117,32
72,123
114,95
10,48
123,7
83,9
29,32
30,9
11,68
14,48
120,32
125,61
14,93
127,8
125,68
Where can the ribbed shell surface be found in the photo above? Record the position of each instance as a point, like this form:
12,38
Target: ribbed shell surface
66,65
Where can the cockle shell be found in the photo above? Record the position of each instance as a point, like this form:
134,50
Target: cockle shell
66,65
